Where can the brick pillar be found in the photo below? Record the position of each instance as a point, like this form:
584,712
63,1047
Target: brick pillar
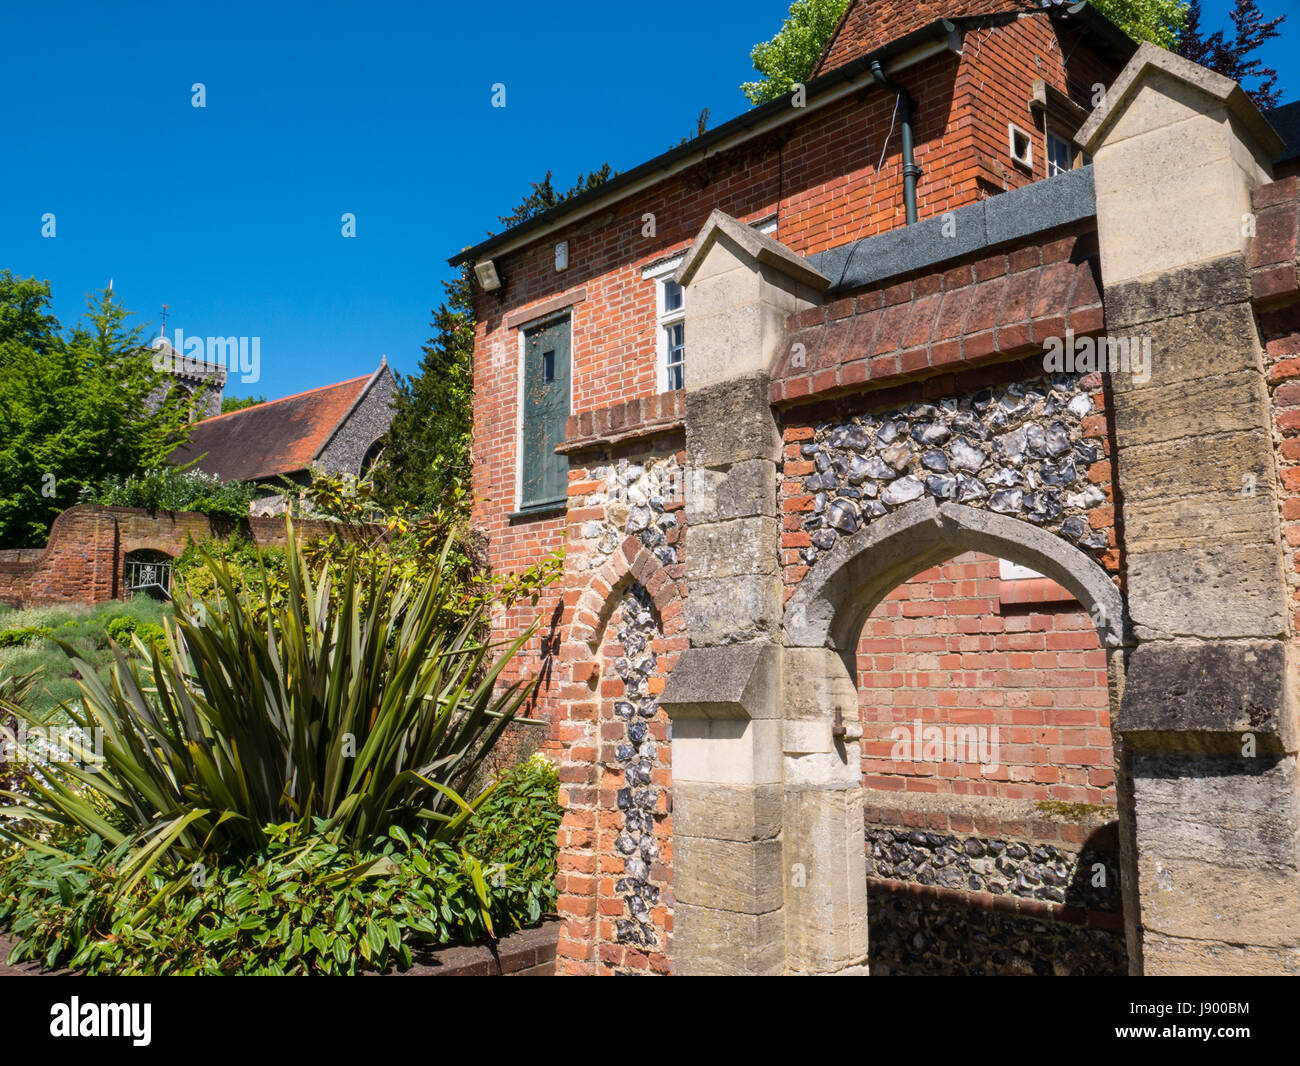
733,812
1208,715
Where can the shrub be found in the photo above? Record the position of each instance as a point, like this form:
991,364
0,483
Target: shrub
13,637
84,628
299,905
196,568
121,626
169,489
367,718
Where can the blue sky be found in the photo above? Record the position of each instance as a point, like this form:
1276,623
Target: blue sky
231,214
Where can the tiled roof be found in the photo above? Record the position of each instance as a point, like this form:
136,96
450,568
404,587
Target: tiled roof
273,438
869,24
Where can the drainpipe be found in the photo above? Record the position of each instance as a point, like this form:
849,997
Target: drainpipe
906,105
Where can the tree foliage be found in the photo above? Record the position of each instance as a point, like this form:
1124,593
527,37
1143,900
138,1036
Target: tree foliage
73,406
1176,25
544,195
790,56
1157,21
1233,60
424,461
238,403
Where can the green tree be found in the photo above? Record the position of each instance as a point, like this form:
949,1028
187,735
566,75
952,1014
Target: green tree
1232,58
544,196
73,409
1176,25
238,403
790,56
424,460
1157,21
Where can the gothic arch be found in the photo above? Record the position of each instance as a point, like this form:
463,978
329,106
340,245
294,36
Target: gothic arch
630,562
836,595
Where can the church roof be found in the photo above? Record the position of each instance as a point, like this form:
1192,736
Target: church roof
277,437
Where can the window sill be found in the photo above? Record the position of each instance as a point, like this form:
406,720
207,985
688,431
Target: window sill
538,510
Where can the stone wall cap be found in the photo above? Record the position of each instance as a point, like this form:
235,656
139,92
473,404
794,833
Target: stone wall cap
758,246
1216,86
728,681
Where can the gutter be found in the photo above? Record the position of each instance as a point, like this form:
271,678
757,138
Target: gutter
933,39
941,35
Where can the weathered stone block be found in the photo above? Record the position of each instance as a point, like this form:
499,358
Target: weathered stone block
727,812
1195,407
731,422
731,549
826,881
732,875
735,681
1214,593
1227,811
1213,284
708,941
734,610
744,490
1232,687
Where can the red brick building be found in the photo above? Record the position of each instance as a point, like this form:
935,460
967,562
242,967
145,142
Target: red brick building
911,230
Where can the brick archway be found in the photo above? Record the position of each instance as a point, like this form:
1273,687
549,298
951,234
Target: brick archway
590,743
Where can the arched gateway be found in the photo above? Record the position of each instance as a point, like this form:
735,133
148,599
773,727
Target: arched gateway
1163,480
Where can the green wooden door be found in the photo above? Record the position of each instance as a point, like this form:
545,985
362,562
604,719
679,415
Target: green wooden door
546,410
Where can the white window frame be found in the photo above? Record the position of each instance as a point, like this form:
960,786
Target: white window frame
661,273
1051,136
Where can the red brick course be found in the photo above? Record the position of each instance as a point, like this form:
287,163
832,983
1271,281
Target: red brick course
957,316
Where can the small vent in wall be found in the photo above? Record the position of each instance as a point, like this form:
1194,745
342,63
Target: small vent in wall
1021,144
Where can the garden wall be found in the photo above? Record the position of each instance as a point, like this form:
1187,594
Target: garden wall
84,559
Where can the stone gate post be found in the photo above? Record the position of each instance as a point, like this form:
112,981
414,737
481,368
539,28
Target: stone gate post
733,814
1208,715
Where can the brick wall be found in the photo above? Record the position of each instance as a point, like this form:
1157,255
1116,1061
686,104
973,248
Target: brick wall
84,559
824,178
1275,288
608,734
945,649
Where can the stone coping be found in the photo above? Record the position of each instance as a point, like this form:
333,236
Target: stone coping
992,816
1011,216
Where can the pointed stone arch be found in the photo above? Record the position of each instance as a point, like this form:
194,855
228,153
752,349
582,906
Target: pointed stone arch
836,596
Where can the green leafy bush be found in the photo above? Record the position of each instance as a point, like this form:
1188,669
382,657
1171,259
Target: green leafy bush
367,717
13,637
302,904
169,489
123,627
196,568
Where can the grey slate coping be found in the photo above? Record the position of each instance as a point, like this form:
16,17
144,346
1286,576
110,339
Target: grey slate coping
1010,216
